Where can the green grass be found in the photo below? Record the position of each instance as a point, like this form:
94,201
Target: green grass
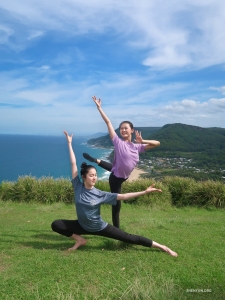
35,263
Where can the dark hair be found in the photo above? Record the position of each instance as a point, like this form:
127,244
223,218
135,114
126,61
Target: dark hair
85,169
128,122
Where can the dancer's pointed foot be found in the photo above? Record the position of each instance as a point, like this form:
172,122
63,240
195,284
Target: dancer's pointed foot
164,248
90,158
169,251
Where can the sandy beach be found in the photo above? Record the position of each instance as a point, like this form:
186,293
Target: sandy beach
135,174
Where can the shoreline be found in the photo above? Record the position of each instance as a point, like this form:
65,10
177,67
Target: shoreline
135,174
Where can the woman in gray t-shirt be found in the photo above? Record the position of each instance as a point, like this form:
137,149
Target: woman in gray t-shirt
88,202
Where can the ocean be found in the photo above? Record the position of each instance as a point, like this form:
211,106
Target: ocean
40,156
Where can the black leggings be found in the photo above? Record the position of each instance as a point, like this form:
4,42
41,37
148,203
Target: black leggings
70,227
115,184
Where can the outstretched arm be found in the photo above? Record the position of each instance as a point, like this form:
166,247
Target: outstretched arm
128,196
111,130
149,143
72,155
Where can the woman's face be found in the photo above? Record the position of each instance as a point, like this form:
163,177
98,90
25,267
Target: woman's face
126,131
91,178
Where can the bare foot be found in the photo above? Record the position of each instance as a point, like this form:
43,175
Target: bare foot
80,241
169,251
164,248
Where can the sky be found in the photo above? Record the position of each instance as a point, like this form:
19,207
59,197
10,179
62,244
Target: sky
152,62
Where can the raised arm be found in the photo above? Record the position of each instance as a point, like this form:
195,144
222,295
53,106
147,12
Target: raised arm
111,130
128,196
72,155
149,143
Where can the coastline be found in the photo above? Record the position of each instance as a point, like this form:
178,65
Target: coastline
135,174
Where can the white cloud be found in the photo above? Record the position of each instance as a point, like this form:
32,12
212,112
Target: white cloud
166,58
220,103
189,103
5,33
35,34
76,112
173,34
219,89
55,60
206,114
44,68
71,55
121,96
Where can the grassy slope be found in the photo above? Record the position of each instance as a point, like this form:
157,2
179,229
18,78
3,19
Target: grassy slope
34,263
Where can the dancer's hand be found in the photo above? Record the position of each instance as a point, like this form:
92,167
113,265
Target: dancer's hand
68,137
98,102
138,137
152,189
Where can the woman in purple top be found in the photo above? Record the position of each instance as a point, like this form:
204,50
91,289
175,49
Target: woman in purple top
88,202
126,156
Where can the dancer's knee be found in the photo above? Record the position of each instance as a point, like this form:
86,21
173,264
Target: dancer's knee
55,225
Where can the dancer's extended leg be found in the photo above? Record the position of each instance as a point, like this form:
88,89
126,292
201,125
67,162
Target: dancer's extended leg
89,157
102,163
118,234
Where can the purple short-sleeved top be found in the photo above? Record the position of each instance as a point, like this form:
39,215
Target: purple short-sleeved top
126,157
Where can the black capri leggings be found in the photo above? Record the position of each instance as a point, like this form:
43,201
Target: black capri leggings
115,184
70,227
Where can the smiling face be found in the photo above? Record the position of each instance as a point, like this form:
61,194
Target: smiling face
126,131
90,178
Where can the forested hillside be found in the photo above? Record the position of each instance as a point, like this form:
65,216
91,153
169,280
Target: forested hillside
181,137
206,146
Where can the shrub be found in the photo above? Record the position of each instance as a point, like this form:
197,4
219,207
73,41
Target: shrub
207,193
152,199
6,190
103,185
178,191
43,190
187,191
178,187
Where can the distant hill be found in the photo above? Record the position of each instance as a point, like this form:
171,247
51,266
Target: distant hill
206,146
105,141
188,138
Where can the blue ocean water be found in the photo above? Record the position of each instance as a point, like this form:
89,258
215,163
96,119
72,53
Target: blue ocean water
40,156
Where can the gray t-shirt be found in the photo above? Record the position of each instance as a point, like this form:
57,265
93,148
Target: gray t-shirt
88,204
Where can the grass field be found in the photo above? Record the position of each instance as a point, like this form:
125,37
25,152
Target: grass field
35,263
